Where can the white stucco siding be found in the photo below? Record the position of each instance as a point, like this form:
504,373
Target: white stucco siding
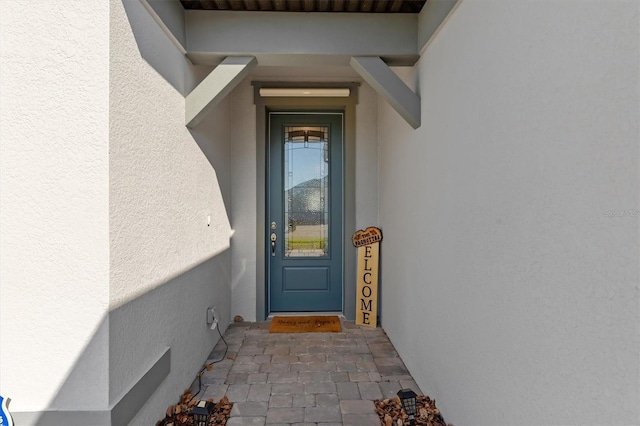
243,204
162,186
54,247
167,263
511,233
366,158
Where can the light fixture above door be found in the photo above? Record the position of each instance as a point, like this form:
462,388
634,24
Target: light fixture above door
323,92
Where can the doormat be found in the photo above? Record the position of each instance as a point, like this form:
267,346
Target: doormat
316,324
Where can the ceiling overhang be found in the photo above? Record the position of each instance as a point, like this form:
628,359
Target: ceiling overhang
365,42
300,39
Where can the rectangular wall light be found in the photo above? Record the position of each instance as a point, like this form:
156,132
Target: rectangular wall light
337,92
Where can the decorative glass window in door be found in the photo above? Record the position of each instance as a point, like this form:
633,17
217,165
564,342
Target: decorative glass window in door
306,187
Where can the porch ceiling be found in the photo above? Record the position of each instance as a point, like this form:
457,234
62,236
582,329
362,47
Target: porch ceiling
354,6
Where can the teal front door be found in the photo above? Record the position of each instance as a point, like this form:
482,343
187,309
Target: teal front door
304,207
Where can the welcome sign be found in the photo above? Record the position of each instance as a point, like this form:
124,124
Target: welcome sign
368,244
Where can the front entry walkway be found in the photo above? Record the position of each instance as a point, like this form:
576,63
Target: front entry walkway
305,378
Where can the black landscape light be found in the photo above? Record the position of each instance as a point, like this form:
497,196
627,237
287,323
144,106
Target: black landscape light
202,413
408,400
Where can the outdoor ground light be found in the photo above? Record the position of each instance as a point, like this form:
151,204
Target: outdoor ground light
202,413
408,400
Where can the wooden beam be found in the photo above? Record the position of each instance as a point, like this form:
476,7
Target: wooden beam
384,81
381,5
222,34
215,87
396,5
323,5
366,6
251,4
294,5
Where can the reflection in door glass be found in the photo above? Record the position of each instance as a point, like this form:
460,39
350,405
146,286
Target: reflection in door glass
306,191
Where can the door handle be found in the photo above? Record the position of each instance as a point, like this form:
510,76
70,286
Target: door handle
274,237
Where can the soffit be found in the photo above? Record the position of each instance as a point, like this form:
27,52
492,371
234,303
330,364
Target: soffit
340,6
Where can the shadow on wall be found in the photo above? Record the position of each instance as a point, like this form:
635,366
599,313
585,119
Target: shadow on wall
159,52
162,55
155,346
217,155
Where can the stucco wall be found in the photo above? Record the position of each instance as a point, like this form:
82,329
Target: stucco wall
366,158
167,263
243,204
510,215
54,247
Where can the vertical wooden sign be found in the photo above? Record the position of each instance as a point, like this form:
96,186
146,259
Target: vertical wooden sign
368,244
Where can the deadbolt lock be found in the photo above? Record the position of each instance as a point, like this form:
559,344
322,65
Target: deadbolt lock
274,237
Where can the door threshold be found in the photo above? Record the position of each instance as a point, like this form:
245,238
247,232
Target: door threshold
305,314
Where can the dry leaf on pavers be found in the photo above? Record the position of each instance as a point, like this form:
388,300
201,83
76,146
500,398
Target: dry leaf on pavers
180,414
221,412
427,414
388,421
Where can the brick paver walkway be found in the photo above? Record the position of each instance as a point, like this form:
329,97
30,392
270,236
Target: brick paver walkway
305,378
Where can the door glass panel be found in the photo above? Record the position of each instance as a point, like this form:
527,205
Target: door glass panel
306,191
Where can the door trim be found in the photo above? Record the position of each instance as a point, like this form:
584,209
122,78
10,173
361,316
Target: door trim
266,218
263,107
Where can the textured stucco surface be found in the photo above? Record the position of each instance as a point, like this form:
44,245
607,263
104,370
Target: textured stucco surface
162,187
515,293
54,247
243,203
167,264
366,158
